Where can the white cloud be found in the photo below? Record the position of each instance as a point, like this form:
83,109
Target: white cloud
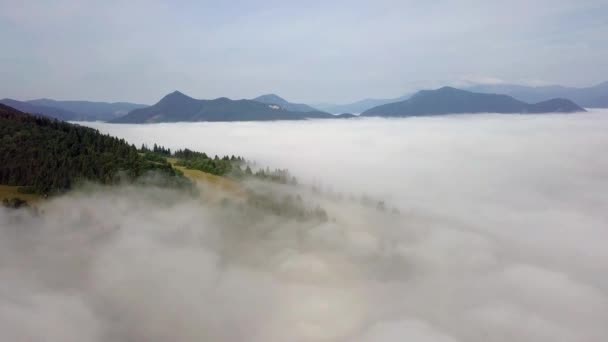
404,330
501,235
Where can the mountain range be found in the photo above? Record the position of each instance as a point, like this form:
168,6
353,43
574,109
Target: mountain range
448,100
73,110
51,112
177,107
588,97
102,111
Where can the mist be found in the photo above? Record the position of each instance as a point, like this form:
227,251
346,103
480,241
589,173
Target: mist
498,234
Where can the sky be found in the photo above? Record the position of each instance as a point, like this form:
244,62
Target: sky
307,51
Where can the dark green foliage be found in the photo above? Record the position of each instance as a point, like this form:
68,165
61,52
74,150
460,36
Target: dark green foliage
154,157
278,175
157,149
230,166
216,165
188,154
48,156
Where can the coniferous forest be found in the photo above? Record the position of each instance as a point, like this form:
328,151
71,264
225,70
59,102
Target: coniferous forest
47,156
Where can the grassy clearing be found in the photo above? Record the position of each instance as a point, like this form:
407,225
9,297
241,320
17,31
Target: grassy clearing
7,191
207,179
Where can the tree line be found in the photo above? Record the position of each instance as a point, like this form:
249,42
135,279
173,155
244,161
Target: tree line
46,156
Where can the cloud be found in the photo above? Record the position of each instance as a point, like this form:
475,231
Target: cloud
404,330
500,234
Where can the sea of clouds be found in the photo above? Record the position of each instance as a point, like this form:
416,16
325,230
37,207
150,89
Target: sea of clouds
501,236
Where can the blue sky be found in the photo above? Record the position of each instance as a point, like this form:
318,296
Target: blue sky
309,51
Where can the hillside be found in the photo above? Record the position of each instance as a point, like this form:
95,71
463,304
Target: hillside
51,112
281,102
588,97
176,107
449,100
46,156
90,111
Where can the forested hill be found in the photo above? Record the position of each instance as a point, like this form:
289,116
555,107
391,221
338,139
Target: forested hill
273,99
46,156
42,110
448,100
89,110
176,107
588,97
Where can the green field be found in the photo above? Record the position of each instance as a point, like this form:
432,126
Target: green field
218,182
7,191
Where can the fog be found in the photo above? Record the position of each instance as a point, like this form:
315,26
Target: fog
500,235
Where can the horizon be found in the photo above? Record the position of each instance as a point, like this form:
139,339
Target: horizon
308,103
210,50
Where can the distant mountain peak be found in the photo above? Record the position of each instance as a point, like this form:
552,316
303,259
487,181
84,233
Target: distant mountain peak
176,107
176,96
270,97
274,99
176,93
448,88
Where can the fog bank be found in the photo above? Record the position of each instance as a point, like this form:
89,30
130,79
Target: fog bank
500,236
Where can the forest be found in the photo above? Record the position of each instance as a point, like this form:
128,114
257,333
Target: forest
47,156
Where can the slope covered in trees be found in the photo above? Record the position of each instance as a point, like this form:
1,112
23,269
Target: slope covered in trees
46,156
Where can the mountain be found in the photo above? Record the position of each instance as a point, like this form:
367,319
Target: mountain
102,111
46,156
51,112
345,116
73,110
589,97
177,107
359,106
448,100
272,99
